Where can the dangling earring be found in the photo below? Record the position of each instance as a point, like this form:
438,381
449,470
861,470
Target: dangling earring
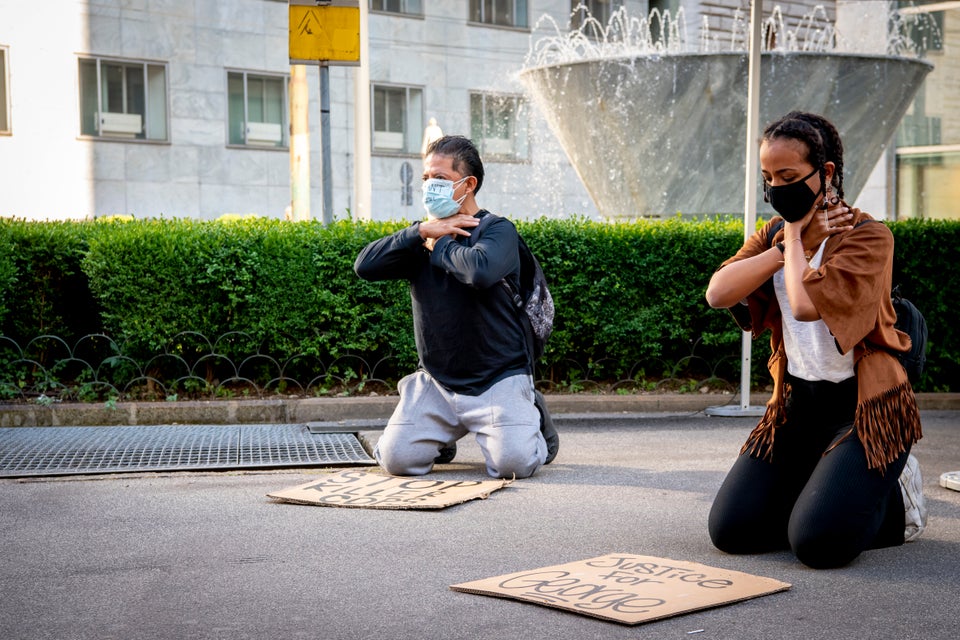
829,201
835,200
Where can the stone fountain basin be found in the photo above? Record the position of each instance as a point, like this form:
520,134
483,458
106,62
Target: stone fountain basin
657,135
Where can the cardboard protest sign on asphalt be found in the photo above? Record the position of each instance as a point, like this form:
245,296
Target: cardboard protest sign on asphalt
365,490
627,588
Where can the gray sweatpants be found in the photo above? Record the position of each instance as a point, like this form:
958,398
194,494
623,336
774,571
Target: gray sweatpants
429,417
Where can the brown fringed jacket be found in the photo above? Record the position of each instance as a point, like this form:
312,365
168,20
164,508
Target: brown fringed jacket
851,290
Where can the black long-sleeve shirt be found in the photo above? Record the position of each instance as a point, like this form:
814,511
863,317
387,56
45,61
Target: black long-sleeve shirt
468,333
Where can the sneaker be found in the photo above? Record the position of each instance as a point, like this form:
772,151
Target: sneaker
447,454
911,486
546,428
950,480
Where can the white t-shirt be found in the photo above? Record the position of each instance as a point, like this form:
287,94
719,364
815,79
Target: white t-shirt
812,352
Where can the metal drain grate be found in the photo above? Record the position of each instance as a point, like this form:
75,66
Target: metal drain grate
37,451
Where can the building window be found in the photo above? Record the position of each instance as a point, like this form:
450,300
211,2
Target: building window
921,27
601,10
663,8
928,139
123,99
397,119
414,7
498,126
504,13
4,93
256,110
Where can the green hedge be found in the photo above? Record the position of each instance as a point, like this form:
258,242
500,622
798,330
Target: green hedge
630,299
257,287
151,299
927,267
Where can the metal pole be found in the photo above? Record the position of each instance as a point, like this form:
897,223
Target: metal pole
362,193
325,162
749,197
299,144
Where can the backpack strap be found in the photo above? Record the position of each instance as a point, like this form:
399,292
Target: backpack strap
485,219
774,230
514,294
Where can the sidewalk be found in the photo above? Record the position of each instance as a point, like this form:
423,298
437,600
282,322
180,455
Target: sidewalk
208,555
376,408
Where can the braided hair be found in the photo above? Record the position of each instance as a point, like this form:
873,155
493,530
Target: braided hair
819,136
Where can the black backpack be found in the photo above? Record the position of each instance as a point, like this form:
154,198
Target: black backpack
534,306
533,299
912,323
909,320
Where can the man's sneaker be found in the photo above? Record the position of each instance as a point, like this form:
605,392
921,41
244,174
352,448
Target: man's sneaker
447,454
915,507
546,427
552,438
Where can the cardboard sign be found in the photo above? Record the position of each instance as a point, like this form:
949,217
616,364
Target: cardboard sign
367,490
626,588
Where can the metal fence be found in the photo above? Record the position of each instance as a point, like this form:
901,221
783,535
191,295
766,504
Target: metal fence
96,368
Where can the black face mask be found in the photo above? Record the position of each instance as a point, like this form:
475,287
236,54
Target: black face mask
792,201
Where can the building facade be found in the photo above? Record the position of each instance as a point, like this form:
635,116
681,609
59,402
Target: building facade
179,108
926,183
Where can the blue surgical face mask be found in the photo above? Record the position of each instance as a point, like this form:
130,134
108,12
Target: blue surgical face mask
438,197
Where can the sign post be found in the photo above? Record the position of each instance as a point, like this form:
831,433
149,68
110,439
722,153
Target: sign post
324,32
749,201
299,145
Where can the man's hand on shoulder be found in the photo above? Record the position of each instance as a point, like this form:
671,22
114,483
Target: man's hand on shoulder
456,225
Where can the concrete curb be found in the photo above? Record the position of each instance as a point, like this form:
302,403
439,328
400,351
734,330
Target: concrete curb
367,408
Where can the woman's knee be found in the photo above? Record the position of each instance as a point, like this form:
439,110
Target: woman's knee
723,536
737,525
822,543
730,536
823,551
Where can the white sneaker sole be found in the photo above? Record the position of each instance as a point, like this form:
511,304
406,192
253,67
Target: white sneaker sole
950,480
915,506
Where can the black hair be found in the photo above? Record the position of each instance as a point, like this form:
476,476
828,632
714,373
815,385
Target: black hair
819,136
466,158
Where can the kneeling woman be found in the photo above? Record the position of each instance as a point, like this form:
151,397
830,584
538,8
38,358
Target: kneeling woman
827,472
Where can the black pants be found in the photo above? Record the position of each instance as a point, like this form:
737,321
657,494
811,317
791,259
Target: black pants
827,508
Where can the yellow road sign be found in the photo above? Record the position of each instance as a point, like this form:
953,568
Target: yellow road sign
327,32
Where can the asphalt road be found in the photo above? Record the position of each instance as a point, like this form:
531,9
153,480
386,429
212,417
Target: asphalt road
209,555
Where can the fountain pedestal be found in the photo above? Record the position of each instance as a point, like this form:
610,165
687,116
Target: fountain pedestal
657,135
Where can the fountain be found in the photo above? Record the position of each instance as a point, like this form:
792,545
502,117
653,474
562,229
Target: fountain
655,130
